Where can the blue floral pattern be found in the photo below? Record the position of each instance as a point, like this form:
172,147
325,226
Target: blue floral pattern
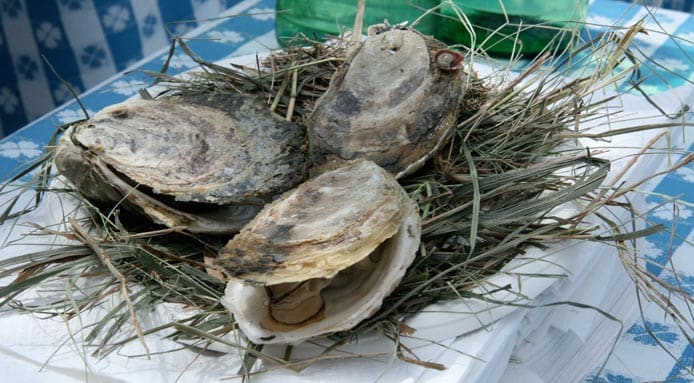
681,281
87,41
21,149
228,3
8,100
73,5
116,18
27,67
642,333
679,372
93,56
610,378
48,35
225,37
149,24
11,8
61,94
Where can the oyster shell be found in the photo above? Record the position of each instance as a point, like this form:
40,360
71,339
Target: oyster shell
392,102
322,257
208,162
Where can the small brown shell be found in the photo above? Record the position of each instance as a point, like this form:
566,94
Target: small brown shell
448,60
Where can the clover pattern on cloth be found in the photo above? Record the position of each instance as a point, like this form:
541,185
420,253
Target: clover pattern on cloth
117,18
180,61
9,102
148,25
73,5
126,87
93,56
71,114
62,94
682,281
11,8
651,333
48,35
21,149
263,13
225,37
612,377
26,67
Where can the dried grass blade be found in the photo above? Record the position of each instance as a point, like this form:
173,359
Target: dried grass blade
476,199
106,260
7,293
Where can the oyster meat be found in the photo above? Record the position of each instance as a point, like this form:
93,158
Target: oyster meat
394,102
322,257
207,162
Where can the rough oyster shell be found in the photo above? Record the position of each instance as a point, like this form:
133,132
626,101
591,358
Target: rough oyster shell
178,160
390,103
323,257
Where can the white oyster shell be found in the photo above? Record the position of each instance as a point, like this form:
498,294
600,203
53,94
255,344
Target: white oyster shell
346,237
208,162
390,103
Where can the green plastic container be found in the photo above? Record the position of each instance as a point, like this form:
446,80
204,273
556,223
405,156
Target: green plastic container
322,18
506,26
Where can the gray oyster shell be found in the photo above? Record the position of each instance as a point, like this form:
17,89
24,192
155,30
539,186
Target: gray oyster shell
322,257
207,162
389,103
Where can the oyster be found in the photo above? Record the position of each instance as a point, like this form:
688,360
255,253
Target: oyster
322,257
394,102
207,162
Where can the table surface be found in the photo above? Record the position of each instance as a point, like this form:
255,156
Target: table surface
638,356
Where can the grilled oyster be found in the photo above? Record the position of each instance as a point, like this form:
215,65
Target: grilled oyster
207,162
322,257
394,102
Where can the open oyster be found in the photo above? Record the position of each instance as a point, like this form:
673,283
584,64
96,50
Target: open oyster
394,101
207,162
322,257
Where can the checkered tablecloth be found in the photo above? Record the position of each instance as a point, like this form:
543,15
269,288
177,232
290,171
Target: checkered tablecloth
639,356
85,42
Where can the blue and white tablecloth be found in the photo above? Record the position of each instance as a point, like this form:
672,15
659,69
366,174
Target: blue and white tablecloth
639,355
670,255
98,61
86,41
